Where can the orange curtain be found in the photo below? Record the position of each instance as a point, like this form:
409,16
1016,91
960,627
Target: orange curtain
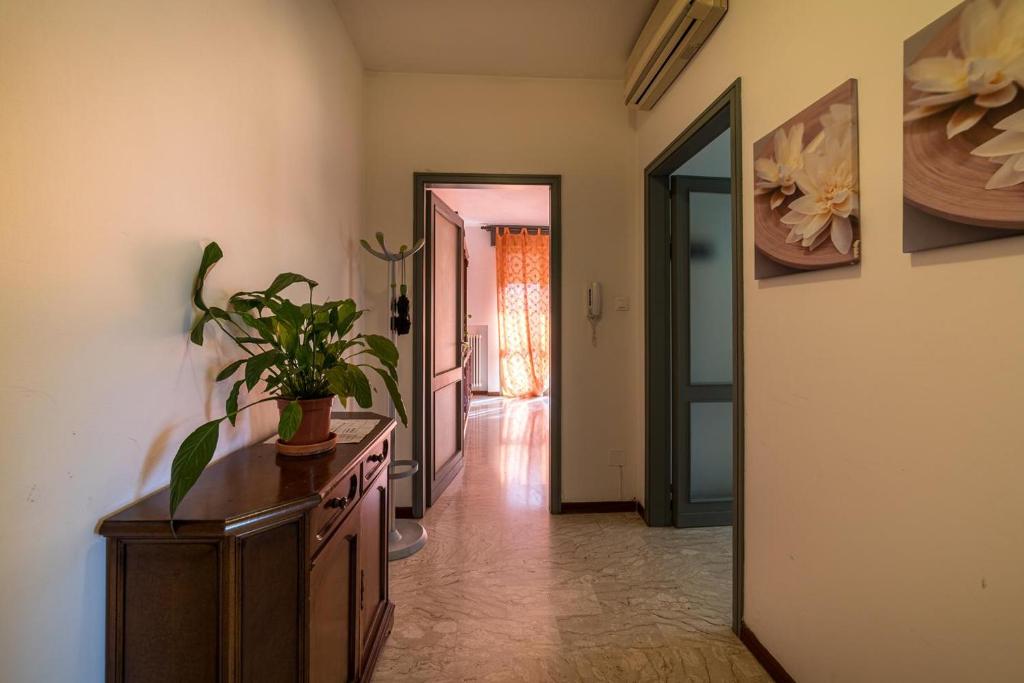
524,281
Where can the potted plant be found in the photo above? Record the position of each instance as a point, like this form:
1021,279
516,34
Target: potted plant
305,354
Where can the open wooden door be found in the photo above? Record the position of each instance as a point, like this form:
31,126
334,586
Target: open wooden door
443,339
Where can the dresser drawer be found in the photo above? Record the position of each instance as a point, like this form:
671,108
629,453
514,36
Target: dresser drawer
375,460
337,502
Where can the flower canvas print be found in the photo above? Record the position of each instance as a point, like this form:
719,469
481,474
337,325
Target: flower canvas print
963,127
806,189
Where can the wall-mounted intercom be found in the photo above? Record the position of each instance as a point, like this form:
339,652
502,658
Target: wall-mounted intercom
594,300
593,309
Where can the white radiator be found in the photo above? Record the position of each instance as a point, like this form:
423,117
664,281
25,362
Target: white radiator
478,343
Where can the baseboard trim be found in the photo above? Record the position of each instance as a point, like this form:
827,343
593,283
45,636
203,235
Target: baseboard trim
599,506
403,512
765,658
640,510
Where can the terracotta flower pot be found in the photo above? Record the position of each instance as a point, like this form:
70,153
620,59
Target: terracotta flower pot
316,421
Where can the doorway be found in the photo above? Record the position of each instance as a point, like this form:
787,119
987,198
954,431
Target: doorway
442,343
693,257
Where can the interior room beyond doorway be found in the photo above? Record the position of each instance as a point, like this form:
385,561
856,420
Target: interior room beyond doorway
507,286
490,282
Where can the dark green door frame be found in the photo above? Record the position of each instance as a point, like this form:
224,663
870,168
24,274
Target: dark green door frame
723,113
422,182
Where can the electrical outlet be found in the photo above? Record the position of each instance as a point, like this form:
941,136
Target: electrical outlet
616,458
622,303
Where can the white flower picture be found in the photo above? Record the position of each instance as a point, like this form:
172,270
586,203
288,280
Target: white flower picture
807,195
963,127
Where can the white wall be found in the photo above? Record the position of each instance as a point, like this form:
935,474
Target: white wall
130,132
482,295
885,449
575,128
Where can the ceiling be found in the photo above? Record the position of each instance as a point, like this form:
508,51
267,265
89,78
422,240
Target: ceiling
540,38
499,204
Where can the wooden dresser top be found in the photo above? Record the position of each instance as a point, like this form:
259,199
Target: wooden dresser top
248,485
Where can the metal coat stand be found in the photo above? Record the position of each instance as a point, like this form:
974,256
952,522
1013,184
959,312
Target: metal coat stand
406,536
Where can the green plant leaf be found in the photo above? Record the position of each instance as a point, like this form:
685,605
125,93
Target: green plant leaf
337,382
257,365
248,318
287,335
265,326
192,457
211,254
196,334
349,381
243,302
291,418
292,314
272,382
360,386
231,406
250,340
383,348
218,313
230,370
396,395
347,315
285,280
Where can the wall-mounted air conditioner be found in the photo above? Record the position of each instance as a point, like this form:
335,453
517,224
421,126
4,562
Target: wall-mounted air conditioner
671,37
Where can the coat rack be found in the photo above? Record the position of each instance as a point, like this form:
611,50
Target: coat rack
406,536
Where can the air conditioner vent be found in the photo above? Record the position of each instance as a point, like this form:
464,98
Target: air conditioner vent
669,40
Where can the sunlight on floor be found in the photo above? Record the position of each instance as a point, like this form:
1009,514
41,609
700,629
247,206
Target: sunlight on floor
504,591
520,449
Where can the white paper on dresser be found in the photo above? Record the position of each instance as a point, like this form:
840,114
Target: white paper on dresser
352,431
348,431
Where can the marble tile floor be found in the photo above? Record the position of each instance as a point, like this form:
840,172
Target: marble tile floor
503,591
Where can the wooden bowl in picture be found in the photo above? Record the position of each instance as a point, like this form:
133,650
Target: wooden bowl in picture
770,239
769,231
941,176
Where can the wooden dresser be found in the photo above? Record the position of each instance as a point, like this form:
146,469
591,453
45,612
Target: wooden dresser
276,571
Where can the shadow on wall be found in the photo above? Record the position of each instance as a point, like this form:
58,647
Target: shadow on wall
160,265
847,273
159,449
978,251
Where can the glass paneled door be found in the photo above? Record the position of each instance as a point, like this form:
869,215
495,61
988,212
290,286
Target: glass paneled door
702,351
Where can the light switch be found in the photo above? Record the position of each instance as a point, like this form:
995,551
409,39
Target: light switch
622,303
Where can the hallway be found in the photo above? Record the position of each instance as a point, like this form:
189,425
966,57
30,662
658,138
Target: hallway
505,591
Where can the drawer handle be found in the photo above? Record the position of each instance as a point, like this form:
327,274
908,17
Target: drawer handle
340,503
376,458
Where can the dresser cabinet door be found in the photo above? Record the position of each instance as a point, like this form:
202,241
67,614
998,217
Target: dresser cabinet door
333,600
373,560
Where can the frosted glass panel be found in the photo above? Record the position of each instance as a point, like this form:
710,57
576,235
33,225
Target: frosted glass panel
710,288
710,452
